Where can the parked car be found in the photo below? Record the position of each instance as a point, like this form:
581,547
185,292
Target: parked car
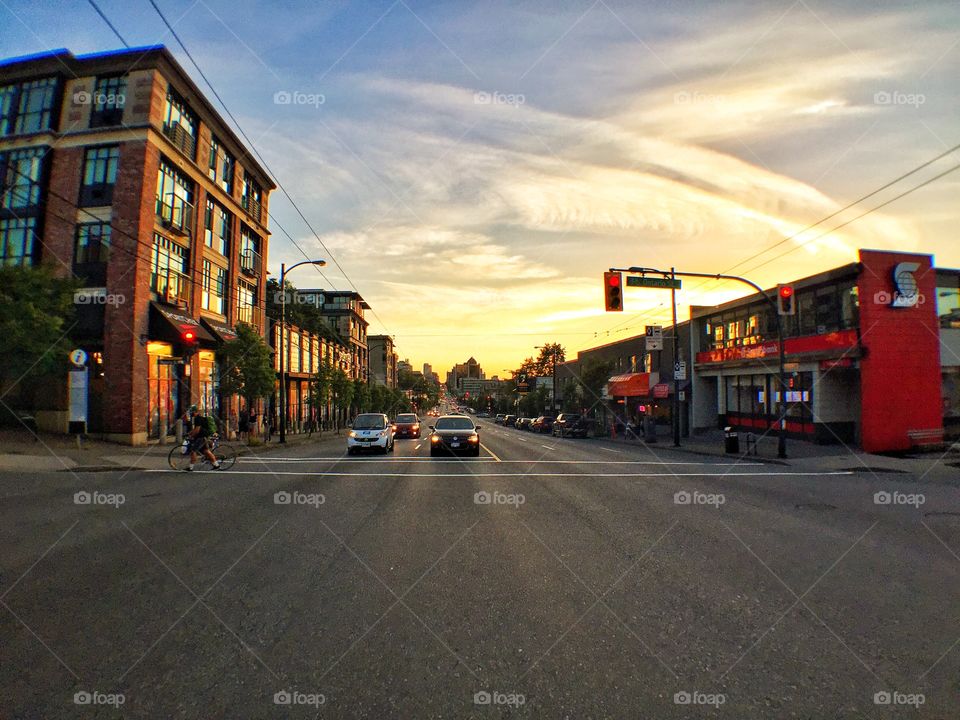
509,420
407,426
370,431
524,423
570,425
543,424
499,418
483,414
455,434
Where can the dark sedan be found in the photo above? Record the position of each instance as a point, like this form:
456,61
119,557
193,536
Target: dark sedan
407,426
455,434
570,425
543,424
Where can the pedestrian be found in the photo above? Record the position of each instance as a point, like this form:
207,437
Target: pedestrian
243,426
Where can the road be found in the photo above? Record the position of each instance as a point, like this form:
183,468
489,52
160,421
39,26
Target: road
599,581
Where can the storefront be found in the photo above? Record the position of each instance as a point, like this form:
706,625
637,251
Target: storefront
862,358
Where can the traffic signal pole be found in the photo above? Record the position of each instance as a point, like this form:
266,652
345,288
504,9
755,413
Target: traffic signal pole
673,274
676,359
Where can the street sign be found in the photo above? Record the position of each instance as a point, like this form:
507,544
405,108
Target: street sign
654,337
78,357
680,370
683,396
652,282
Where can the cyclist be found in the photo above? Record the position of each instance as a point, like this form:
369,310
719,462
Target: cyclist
203,427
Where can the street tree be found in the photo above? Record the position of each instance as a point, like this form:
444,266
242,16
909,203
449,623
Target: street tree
246,366
342,387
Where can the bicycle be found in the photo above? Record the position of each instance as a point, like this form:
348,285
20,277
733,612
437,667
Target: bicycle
226,454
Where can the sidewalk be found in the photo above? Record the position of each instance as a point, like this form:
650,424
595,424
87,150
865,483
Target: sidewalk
20,451
802,455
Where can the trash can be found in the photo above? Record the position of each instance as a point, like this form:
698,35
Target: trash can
731,440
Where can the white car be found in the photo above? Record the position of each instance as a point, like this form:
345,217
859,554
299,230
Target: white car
370,431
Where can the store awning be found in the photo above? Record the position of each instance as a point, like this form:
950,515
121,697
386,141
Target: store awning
168,323
629,385
221,331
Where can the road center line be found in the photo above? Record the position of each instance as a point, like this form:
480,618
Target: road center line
492,453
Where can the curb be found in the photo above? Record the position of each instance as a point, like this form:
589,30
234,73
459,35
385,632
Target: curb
701,453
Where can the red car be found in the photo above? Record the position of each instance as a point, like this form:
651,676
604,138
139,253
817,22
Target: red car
407,426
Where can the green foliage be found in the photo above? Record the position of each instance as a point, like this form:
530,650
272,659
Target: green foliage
246,365
36,311
533,403
343,388
361,395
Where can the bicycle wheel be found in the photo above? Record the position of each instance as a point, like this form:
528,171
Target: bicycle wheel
227,455
176,458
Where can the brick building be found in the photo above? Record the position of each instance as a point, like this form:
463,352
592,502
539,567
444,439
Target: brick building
125,176
383,360
344,312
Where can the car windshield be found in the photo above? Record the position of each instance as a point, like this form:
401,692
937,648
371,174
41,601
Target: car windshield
406,418
454,423
369,422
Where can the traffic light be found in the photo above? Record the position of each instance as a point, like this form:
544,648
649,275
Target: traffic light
613,291
786,300
188,339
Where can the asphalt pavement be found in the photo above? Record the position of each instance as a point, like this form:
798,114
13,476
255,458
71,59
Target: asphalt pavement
549,578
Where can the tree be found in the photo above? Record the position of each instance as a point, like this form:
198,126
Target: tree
320,385
533,402
246,366
549,353
36,313
342,387
361,395
593,376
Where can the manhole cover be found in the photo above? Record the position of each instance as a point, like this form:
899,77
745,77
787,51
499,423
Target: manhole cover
815,506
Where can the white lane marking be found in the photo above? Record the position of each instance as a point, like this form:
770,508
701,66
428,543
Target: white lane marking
414,458
521,475
548,447
418,446
521,440
609,449
492,453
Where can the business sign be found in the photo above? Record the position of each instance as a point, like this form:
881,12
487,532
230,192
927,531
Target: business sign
652,282
841,340
661,391
654,337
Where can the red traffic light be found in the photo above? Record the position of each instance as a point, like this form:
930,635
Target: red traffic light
613,279
786,291
612,292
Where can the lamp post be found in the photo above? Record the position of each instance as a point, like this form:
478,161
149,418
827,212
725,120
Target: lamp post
283,341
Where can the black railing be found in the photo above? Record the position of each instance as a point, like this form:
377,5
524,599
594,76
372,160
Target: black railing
250,262
181,138
175,213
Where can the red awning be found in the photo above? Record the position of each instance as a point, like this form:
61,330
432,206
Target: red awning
629,385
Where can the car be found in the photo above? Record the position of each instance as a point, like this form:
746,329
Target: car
523,423
370,431
570,425
543,424
407,425
454,434
499,418
483,414
509,420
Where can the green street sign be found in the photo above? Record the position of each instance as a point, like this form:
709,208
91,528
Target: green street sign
652,282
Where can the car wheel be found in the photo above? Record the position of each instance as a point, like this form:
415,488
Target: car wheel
476,453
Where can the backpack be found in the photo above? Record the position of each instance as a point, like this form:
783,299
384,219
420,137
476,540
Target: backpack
211,425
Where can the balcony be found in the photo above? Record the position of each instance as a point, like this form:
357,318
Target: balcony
252,207
250,262
176,214
181,138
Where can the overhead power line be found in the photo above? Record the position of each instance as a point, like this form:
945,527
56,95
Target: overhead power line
107,21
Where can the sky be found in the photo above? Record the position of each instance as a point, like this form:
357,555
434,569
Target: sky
472,168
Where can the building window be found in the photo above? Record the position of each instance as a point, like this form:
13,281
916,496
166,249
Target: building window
174,199
27,107
221,166
109,98
214,288
252,196
99,175
217,223
168,272
246,303
948,301
93,243
249,252
21,174
17,240
180,124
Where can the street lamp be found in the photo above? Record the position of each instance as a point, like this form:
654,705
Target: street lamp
283,342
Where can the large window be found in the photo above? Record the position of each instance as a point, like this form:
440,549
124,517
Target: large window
249,251
27,107
174,198
948,300
109,98
180,124
99,175
168,276
93,243
221,165
21,178
252,196
17,236
246,303
217,227
214,288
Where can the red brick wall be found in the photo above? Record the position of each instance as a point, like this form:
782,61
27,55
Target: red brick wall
900,370
59,226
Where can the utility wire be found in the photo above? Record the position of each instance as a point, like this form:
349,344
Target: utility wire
107,21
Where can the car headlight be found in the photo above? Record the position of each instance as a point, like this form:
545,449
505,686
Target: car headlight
434,438
352,434
416,427
473,438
